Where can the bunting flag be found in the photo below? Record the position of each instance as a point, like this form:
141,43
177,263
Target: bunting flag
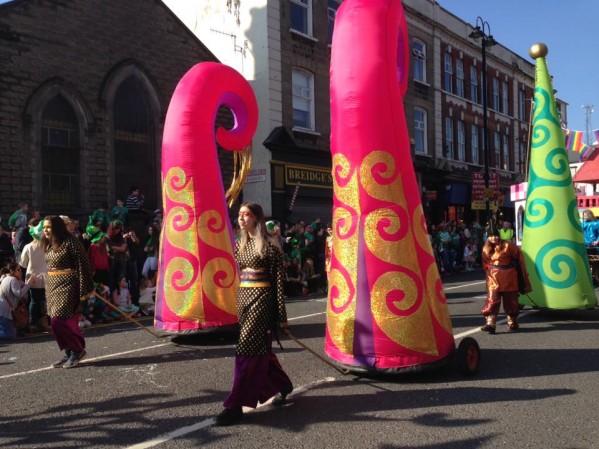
574,141
587,151
552,241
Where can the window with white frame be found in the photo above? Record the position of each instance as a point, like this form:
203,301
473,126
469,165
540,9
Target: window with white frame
506,152
419,60
461,141
474,147
521,105
449,138
495,94
420,119
497,148
302,83
301,16
333,6
448,72
459,78
473,85
505,98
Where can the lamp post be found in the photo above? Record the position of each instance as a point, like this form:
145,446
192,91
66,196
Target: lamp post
482,31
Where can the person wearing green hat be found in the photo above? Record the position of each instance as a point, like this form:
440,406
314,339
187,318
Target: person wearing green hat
98,254
34,259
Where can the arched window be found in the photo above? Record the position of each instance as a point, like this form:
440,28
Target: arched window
60,154
134,157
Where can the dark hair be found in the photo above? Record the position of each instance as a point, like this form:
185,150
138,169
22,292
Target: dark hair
111,231
34,221
10,266
58,235
118,283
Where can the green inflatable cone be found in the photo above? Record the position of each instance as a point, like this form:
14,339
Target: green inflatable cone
552,241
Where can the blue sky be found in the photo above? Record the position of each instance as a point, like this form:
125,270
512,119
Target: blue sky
570,30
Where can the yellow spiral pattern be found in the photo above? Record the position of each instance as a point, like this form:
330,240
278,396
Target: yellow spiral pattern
413,331
181,272
220,281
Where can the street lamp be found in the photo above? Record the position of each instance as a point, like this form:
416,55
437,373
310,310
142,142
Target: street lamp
482,31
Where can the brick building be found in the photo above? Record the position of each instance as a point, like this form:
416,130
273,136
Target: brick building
283,48
84,90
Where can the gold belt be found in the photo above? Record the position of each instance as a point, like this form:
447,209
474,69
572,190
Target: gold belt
254,278
61,272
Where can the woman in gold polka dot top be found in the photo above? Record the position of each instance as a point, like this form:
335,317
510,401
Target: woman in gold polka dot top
260,308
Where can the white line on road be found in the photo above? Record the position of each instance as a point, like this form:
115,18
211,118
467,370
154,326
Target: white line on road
465,285
210,421
477,329
24,373
93,359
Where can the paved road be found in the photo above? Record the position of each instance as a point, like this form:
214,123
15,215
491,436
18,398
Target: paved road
537,388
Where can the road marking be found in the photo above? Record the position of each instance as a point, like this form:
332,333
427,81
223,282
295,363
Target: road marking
306,316
465,285
88,360
477,329
211,421
93,359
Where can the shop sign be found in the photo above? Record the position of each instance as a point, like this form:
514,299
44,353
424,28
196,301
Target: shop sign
430,195
479,192
480,205
257,175
308,176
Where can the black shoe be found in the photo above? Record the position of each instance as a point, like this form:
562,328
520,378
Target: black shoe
513,327
74,359
62,361
487,328
281,397
229,416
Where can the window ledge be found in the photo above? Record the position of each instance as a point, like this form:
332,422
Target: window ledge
305,36
297,129
422,83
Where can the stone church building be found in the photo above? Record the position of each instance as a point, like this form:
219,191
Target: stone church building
84,91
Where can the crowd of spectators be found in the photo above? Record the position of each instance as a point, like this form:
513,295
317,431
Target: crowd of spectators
125,263
304,246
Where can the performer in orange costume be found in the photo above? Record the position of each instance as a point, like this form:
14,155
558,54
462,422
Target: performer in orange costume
502,260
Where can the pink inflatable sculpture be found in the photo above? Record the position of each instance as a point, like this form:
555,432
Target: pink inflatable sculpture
386,306
198,275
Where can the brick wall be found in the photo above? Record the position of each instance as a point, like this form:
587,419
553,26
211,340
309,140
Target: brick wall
78,44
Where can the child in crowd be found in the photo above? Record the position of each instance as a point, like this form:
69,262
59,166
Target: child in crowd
84,322
312,279
121,297
146,298
469,255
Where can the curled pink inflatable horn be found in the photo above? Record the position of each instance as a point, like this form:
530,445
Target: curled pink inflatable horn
198,275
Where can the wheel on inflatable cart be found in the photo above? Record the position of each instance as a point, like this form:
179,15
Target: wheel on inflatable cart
468,356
